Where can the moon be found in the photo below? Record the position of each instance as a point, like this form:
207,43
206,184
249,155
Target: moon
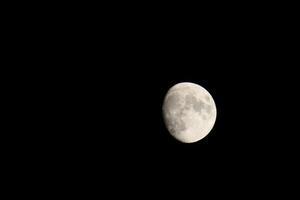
189,112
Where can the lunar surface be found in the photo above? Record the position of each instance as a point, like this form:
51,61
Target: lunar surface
189,112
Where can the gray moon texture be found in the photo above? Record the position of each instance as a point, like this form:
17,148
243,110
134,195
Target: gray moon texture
189,112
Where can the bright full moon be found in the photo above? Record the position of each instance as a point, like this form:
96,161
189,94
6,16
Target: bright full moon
189,112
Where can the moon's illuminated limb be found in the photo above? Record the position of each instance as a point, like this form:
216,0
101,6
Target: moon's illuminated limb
189,112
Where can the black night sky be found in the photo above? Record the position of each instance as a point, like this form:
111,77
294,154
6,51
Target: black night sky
100,86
